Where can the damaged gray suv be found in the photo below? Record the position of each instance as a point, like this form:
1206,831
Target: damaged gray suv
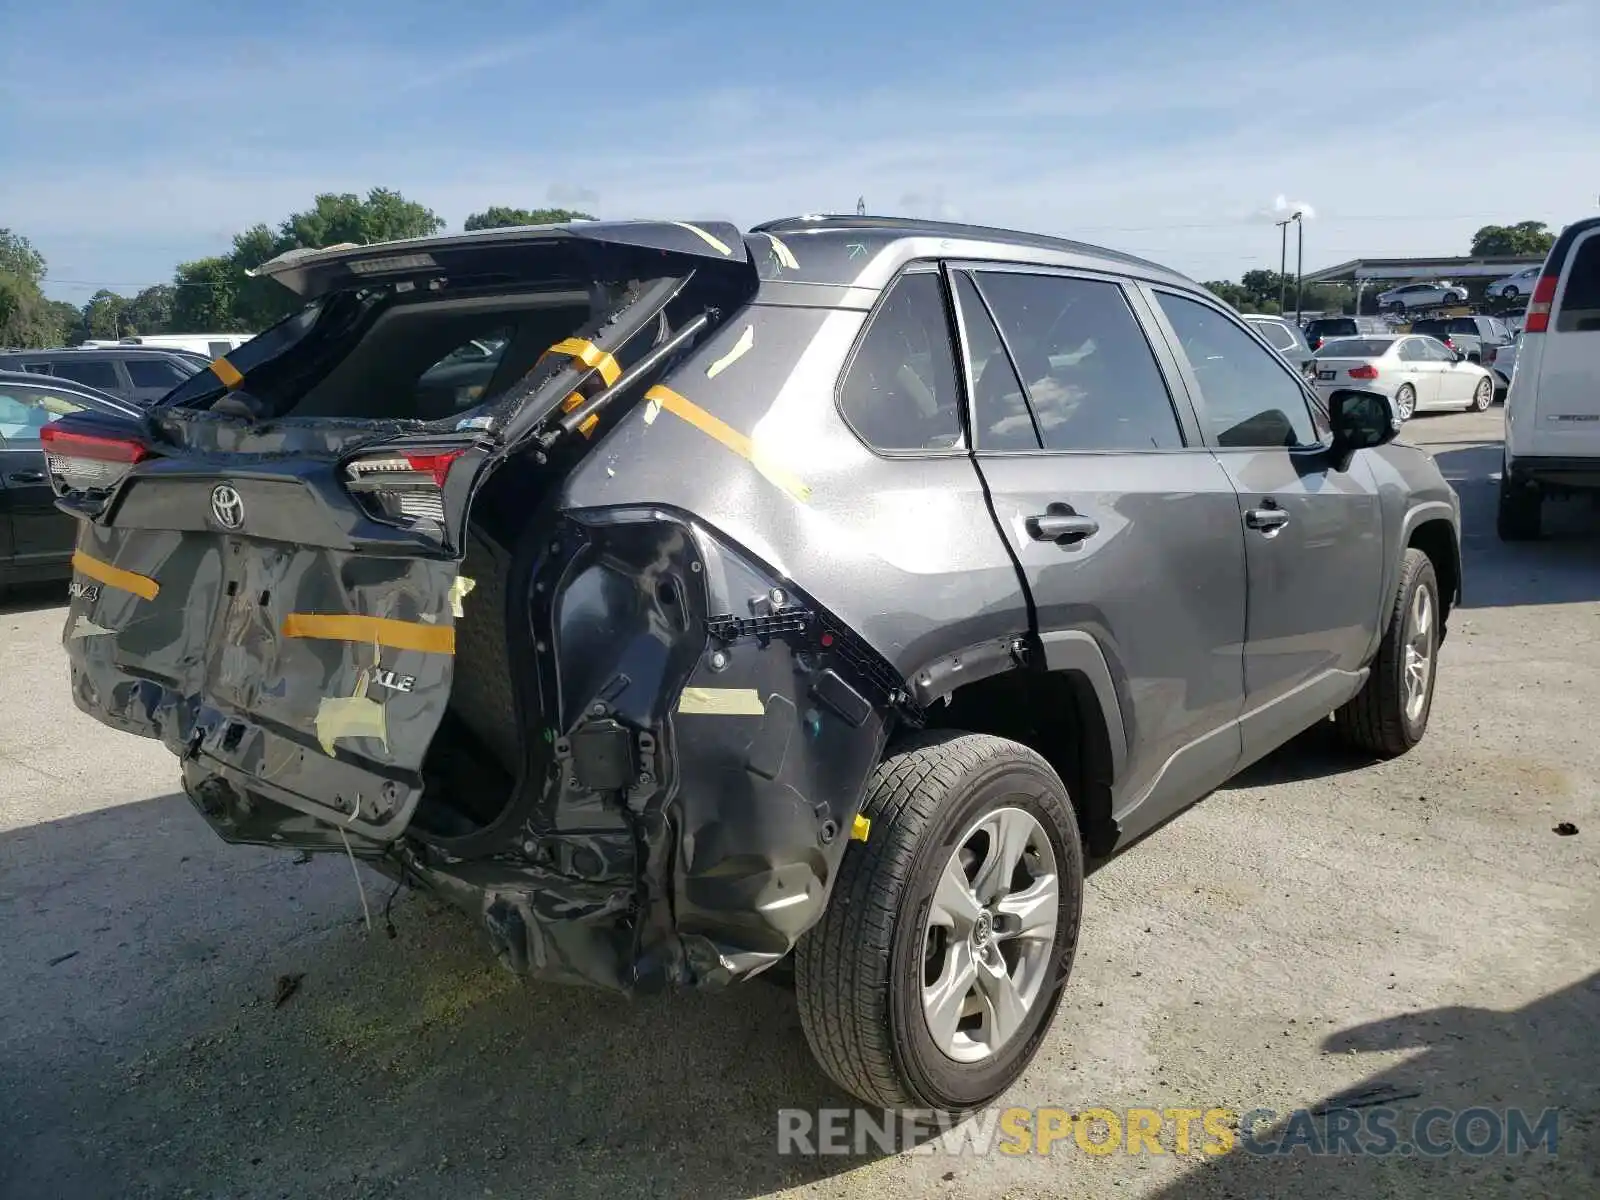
679,600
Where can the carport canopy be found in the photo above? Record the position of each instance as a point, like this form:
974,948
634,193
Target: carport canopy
1366,270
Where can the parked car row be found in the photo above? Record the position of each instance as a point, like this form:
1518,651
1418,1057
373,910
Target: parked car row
130,373
36,538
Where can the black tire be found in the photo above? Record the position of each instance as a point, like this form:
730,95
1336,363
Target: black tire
858,972
1405,401
1510,293
1376,721
1483,395
1520,515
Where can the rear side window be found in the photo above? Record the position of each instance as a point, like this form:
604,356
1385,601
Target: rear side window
1251,399
1275,333
1000,416
153,373
97,373
1579,310
26,410
899,392
1089,373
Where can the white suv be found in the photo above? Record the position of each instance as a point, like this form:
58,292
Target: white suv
1553,405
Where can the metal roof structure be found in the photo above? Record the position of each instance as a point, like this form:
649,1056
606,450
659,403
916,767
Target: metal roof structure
1467,267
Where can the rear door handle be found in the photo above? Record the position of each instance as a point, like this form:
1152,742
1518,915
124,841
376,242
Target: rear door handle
25,477
1267,518
1064,529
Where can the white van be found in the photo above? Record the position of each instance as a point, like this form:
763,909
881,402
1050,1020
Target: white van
1553,404
212,345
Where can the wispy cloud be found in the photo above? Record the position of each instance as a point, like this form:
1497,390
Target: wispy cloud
1180,149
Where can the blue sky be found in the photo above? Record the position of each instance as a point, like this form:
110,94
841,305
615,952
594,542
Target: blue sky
139,135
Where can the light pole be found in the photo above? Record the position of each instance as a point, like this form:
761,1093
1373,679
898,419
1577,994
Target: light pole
1283,261
1299,259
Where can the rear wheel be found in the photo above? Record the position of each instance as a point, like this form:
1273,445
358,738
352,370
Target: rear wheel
932,977
1510,292
1405,401
1390,713
1484,396
1521,511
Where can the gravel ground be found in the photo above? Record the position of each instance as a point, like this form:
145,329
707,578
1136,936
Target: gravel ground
1315,926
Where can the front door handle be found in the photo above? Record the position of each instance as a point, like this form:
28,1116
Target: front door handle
1267,518
25,477
1062,528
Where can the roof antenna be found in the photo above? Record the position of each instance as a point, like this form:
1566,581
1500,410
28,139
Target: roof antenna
861,206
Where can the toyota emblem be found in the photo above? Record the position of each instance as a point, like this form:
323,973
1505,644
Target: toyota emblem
227,506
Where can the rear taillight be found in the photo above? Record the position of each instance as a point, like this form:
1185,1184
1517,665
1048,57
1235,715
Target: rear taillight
1364,371
405,486
1544,295
1449,343
1317,345
82,462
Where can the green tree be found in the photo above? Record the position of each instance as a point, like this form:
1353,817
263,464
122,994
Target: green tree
204,292
1227,291
26,318
151,310
340,219
1523,238
499,217
102,316
60,323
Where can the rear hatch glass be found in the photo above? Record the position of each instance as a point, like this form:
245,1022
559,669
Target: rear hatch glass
1579,310
269,575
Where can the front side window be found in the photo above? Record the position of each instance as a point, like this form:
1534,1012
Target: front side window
1411,350
153,373
1090,375
1250,398
26,410
899,392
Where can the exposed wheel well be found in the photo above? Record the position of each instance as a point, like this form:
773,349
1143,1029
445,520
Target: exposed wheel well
1437,540
1056,714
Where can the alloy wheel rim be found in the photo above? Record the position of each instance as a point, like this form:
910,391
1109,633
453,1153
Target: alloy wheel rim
988,940
1405,401
1418,667
1480,398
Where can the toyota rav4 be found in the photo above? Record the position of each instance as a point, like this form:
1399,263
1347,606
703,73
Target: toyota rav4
829,590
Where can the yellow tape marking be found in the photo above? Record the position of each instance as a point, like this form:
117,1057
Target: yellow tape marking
459,587
722,702
380,631
785,257
860,828
589,355
350,717
740,348
730,437
140,585
227,372
716,243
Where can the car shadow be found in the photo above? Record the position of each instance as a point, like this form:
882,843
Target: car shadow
30,597
181,1014
1562,567
1543,1056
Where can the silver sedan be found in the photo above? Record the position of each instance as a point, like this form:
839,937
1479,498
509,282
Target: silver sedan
1416,372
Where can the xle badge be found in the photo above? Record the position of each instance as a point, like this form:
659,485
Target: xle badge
394,682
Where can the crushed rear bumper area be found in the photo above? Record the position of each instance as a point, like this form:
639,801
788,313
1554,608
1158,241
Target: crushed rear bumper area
684,741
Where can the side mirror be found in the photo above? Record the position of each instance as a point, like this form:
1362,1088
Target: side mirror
1360,420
